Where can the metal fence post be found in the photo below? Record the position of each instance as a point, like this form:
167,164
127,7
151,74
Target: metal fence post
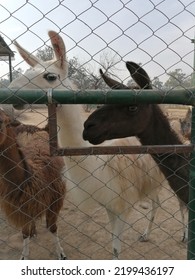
191,223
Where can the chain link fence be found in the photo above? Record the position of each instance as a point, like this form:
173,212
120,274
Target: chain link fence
97,34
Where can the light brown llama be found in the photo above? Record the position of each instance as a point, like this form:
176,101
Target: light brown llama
30,181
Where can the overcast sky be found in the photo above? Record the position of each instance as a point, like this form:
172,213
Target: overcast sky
156,33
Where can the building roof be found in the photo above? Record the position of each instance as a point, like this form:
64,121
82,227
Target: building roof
4,49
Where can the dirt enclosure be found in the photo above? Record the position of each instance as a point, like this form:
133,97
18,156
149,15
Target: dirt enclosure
88,236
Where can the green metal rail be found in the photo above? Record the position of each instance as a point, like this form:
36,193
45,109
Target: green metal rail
183,96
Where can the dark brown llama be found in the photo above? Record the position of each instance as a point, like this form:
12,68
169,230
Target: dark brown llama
148,123
31,185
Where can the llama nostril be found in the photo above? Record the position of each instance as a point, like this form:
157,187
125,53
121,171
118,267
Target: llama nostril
86,131
88,125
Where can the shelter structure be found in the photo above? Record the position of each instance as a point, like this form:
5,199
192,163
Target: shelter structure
6,54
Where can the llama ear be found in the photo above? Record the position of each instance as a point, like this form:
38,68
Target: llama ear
59,49
27,56
139,75
112,83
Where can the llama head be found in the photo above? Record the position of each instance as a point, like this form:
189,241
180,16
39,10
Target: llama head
44,74
119,121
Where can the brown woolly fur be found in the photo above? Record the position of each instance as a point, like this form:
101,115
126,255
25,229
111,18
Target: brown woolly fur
30,180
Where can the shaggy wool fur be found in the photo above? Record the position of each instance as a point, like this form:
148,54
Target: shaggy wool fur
30,180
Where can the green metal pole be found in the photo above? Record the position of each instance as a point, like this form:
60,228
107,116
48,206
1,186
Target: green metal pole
39,96
193,73
191,222
191,205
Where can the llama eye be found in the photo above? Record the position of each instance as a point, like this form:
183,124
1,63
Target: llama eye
132,108
50,77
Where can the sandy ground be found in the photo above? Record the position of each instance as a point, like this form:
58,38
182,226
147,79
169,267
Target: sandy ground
88,236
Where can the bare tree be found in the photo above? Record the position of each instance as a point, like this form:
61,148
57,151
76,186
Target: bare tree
45,53
109,61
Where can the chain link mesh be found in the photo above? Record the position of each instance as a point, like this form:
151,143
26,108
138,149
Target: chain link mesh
105,34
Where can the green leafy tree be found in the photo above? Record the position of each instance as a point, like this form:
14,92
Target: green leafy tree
177,79
157,84
17,73
4,82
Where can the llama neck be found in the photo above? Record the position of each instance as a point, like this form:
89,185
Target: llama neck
81,184
70,122
159,131
174,166
12,164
